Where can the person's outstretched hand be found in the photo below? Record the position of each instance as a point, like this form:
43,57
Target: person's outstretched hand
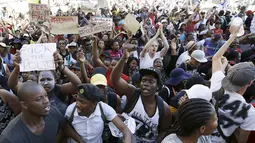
58,60
16,59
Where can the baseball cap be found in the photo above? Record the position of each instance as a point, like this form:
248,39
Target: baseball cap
150,71
249,12
203,32
90,92
183,23
196,91
99,70
72,44
199,56
176,76
238,76
191,45
3,45
76,66
135,77
98,79
196,79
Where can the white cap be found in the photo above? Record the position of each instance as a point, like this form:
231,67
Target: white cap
199,91
203,32
73,44
3,44
199,56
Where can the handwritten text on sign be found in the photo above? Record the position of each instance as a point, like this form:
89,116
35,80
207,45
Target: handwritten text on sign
64,24
89,30
102,20
39,12
37,57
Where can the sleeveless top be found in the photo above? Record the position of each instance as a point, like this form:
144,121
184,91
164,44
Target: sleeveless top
146,127
6,115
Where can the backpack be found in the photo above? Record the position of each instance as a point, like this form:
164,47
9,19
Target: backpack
217,95
160,104
106,131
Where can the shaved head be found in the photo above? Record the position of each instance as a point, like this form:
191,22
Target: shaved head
27,89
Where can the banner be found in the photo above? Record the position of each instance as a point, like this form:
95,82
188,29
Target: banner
64,24
37,57
102,20
93,29
39,12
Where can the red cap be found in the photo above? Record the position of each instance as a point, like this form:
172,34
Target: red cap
249,12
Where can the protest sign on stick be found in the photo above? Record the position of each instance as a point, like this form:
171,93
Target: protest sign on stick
37,57
39,12
93,29
64,24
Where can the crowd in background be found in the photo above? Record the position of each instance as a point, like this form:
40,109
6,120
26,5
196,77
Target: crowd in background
183,77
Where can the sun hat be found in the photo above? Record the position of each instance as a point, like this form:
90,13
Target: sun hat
176,76
199,56
191,45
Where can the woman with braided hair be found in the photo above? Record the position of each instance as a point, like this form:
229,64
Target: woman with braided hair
196,118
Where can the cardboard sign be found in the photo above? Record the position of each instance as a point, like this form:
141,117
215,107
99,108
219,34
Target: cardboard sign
64,24
93,29
39,12
102,20
37,57
131,24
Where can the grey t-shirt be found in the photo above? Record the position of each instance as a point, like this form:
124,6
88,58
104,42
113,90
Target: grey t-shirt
18,132
173,138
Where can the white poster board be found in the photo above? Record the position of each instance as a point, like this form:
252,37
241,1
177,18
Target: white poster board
37,57
97,20
93,29
131,24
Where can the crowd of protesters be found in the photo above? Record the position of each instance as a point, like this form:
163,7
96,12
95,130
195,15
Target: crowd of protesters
184,77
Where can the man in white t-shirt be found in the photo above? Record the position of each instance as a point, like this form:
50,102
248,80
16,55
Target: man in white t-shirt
235,116
149,52
87,113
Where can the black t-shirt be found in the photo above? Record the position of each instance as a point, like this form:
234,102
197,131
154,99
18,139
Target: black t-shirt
18,132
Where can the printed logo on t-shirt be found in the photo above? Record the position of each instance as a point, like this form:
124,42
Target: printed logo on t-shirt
232,114
146,131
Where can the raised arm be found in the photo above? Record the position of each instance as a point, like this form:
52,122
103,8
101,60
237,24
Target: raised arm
166,45
216,60
73,78
95,56
13,81
11,100
118,83
84,76
146,47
